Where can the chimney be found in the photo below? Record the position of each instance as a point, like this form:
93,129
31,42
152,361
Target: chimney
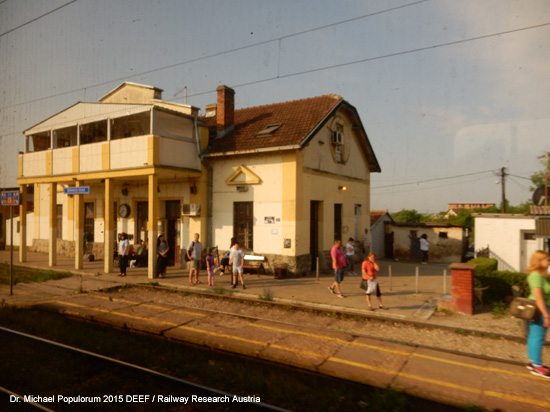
225,110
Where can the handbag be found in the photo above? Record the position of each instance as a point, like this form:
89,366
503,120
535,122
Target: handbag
364,284
523,308
373,284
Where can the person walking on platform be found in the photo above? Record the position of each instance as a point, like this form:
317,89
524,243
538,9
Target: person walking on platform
540,292
339,265
370,269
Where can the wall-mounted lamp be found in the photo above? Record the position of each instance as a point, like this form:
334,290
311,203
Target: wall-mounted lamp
125,189
342,188
193,190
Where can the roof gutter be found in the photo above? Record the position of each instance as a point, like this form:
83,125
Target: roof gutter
253,151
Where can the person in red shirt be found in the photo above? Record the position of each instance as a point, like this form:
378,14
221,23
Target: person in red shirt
338,264
370,268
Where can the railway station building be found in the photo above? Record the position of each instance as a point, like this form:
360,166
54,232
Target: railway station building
285,179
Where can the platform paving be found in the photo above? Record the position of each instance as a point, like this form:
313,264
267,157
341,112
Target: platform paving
444,377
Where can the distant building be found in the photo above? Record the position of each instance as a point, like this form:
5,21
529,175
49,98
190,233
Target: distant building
448,243
469,206
455,207
378,218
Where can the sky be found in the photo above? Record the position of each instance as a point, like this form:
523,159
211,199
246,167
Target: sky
448,91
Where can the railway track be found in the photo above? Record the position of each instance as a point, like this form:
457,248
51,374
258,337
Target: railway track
40,374
353,315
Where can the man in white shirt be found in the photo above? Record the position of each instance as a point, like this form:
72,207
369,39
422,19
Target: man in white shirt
350,256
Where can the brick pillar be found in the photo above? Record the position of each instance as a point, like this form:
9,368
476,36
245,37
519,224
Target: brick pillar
463,287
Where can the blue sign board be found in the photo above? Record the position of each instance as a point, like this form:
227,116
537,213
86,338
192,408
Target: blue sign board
10,198
81,190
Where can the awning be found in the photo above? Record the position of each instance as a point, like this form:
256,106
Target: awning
542,227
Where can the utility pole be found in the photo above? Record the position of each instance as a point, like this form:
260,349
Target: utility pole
503,182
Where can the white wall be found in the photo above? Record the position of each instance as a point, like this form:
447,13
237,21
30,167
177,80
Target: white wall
503,236
16,234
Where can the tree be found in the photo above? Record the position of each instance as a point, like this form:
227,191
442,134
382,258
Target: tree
538,178
408,216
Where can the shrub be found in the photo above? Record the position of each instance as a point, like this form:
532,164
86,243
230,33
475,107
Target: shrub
485,266
500,284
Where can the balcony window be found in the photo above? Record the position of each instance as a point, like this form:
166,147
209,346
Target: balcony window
65,137
39,142
93,132
130,126
172,125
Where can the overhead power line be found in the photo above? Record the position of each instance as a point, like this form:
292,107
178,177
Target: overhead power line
209,56
433,180
295,73
37,18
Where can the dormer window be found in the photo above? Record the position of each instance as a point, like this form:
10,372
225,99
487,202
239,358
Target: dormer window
269,129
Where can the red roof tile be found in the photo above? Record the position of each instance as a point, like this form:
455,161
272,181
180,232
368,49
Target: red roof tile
299,118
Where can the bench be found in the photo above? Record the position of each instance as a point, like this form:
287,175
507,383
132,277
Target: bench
254,263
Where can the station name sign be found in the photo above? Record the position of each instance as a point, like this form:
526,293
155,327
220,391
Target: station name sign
80,190
10,198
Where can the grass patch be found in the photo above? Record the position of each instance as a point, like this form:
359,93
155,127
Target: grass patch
219,290
445,312
22,274
499,309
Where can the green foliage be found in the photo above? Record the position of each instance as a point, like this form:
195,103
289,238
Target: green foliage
23,274
500,284
409,216
485,266
464,217
538,178
499,309
389,399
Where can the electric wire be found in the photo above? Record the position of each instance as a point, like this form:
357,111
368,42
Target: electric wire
432,180
209,56
37,18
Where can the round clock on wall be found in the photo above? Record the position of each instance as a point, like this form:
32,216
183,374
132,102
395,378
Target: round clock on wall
124,210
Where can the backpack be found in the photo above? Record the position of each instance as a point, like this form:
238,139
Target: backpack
186,257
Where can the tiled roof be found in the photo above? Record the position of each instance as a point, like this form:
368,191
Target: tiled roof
375,215
539,210
298,118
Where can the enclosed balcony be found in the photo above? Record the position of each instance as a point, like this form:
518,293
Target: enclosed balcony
91,137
